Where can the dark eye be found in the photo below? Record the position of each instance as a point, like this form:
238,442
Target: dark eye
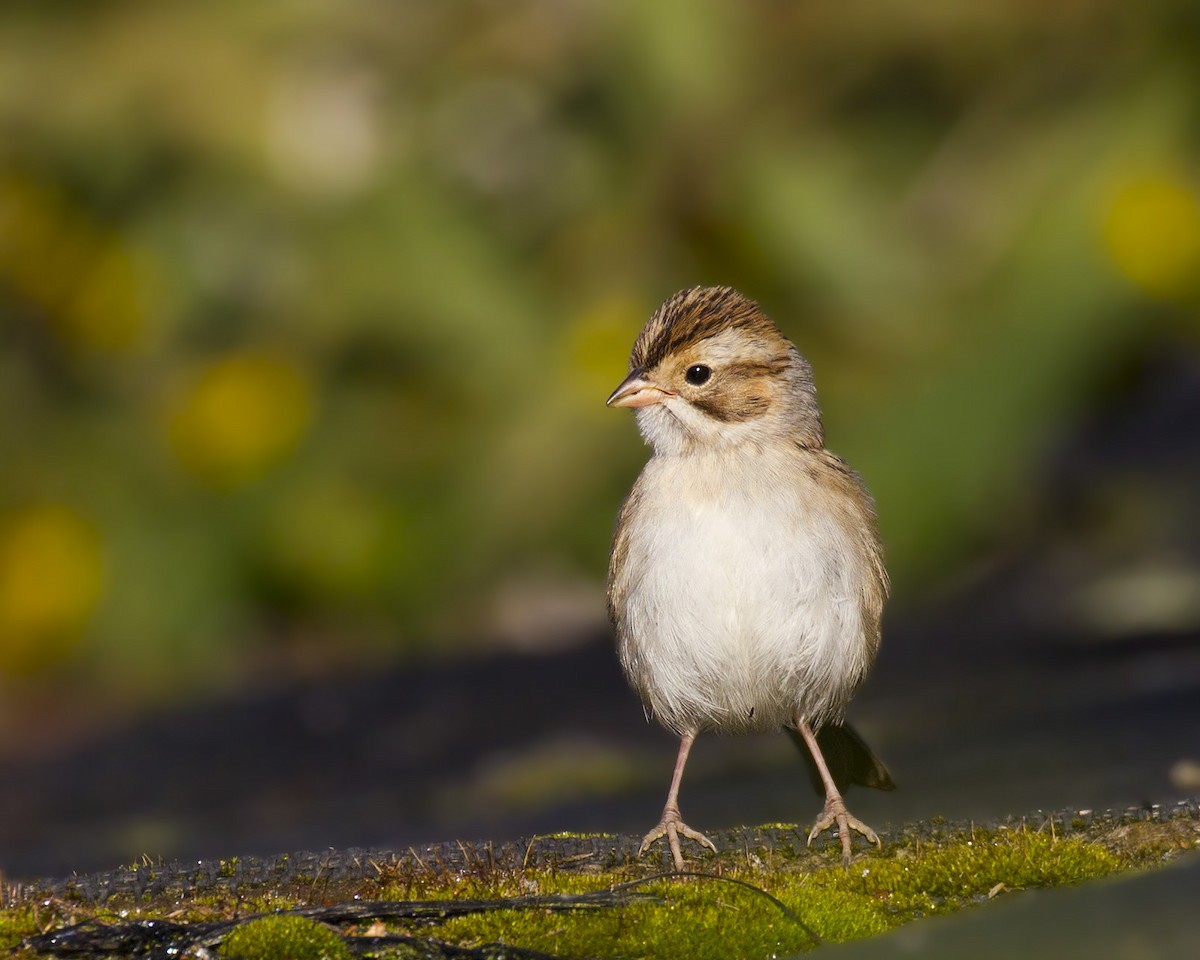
697,374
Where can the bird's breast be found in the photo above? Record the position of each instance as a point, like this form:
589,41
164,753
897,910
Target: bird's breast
737,605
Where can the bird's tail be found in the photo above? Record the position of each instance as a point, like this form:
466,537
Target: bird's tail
848,757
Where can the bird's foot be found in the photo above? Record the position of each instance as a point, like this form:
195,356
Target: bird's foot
671,826
835,812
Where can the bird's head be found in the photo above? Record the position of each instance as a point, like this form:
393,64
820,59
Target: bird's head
710,370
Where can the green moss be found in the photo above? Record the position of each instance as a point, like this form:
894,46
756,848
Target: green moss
973,867
283,937
693,919
17,923
699,919
807,892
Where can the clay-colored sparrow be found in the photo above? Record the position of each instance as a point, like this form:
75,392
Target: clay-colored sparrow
746,580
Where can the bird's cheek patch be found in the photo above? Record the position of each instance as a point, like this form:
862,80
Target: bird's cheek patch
735,406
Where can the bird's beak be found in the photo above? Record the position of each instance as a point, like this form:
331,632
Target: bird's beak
637,391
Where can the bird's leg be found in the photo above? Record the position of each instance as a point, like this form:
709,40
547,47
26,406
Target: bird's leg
672,825
835,807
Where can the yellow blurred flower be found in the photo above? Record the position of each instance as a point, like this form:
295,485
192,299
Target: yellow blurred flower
242,415
91,283
51,578
1151,232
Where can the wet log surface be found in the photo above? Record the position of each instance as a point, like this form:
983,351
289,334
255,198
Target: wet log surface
332,870
331,888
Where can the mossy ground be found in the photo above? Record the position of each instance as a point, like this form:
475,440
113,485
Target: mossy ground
694,917
283,937
702,917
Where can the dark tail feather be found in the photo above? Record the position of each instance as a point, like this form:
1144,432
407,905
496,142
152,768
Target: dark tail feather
848,757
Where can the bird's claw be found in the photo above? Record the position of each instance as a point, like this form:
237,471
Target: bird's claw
835,812
671,826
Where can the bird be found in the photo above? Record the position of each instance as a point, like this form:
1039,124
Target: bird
746,578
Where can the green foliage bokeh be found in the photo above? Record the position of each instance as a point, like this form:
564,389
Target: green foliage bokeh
308,312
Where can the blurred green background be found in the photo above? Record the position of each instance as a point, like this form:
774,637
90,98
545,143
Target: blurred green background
308,311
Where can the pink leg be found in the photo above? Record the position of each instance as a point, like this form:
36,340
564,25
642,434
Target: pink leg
835,807
672,824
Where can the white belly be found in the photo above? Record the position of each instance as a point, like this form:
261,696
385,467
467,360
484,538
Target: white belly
741,610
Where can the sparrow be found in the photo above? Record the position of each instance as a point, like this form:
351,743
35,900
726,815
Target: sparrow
746,580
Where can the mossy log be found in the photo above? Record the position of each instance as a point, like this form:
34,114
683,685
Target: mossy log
766,893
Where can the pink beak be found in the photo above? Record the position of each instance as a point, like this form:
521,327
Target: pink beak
636,391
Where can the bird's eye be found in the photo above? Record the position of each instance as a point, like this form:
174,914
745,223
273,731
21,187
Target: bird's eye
697,374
